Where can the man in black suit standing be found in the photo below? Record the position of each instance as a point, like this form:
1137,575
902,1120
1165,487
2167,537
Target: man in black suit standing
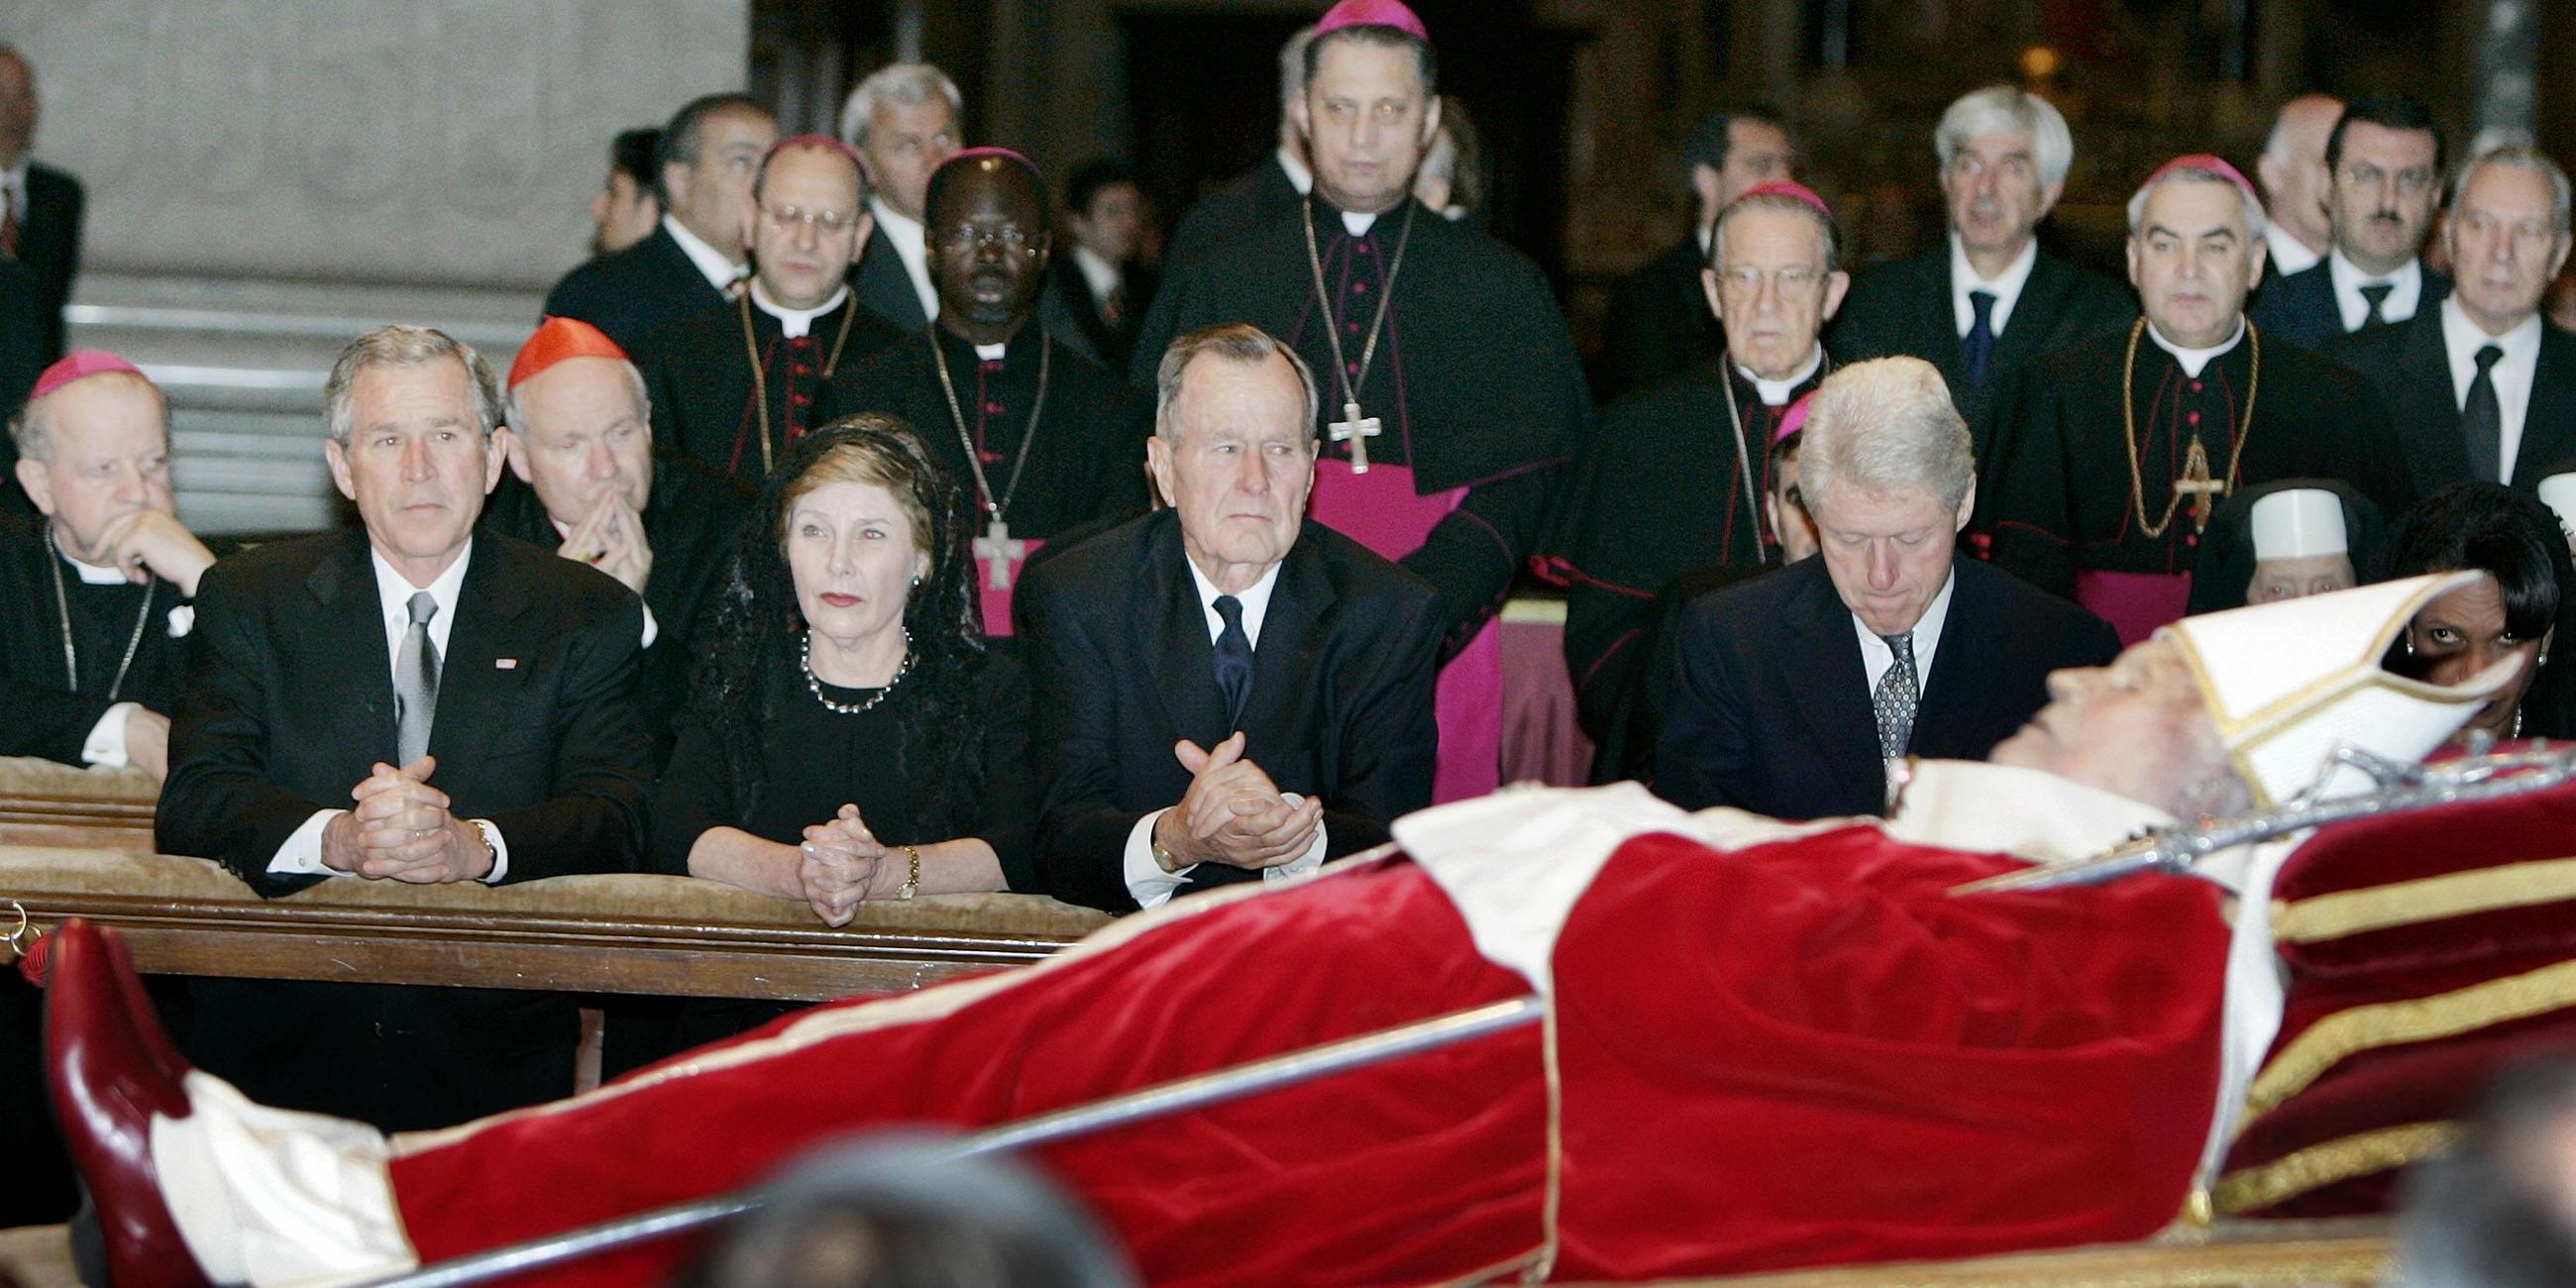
1659,324
693,260
1098,290
1797,694
41,228
413,702
906,120
1223,691
2384,176
585,482
2481,386
1990,299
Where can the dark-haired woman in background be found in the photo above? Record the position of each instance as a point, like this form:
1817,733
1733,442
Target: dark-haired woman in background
850,738
2515,609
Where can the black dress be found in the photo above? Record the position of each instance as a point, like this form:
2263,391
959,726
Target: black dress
817,760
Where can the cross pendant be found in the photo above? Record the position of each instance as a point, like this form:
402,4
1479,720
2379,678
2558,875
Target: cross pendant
999,552
2203,489
1355,431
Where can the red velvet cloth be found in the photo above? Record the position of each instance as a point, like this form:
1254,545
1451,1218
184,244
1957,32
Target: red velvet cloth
2389,1083
1797,1054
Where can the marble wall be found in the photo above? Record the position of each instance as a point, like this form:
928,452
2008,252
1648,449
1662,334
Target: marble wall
431,142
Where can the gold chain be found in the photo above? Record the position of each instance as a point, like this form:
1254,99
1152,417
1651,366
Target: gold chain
2129,429
760,378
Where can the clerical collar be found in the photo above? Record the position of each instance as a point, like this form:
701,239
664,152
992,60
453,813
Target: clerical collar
2405,293
1098,273
2193,360
795,324
1776,392
1358,223
91,574
721,273
2005,287
911,245
1255,599
1299,177
992,352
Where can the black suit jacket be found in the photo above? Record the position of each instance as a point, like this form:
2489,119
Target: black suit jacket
2411,367
885,286
2300,307
1212,224
1903,307
636,291
290,702
50,245
1767,706
1122,668
1659,323
1069,311
692,521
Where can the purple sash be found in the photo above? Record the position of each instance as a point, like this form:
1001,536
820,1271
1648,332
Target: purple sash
997,600
2134,603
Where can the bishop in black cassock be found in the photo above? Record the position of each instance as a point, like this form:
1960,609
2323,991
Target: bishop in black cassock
52,712
734,384
1040,438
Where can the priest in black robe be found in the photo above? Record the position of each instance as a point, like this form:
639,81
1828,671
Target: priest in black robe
585,483
94,596
734,384
1658,323
1674,478
1991,298
692,260
1447,370
1040,438
2101,484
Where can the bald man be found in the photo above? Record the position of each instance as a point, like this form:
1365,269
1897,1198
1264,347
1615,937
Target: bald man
2292,171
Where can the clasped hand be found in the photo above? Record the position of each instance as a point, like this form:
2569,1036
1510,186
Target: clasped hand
1233,814
838,865
401,830
611,539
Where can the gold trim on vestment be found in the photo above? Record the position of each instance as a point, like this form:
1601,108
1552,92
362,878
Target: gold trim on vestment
2405,903
2365,1028
1552,1200
2255,1188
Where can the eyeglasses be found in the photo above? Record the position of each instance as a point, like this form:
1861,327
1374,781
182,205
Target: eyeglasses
963,239
829,222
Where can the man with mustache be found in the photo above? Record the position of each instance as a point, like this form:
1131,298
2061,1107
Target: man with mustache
734,384
2482,385
1040,438
2384,168
416,702
2111,456
1992,298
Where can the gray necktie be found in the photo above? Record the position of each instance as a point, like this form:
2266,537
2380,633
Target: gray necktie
416,683
1895,698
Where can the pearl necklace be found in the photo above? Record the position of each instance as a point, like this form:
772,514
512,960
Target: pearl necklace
813,685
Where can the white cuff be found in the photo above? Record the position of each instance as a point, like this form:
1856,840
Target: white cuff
1151,886
500,851
1304,865
652,629
302,853
105,745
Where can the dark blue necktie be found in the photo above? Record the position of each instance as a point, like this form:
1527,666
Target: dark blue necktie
2375,296
1980,344
2482,420
1233,660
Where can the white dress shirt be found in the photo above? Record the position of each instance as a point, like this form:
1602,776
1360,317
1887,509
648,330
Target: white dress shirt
2195,360
1099,276
912,246
1146,879
1299,177
2406,291
2006,288
1877,659
2289,254
795,324
2512,376
721,273
302,852
1776,392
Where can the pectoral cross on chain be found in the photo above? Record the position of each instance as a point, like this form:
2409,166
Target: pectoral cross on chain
2196,481
1000,552
1352,429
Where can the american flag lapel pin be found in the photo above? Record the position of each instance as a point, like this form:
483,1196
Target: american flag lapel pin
505,664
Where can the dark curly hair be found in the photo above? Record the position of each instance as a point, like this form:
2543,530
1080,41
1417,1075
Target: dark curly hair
757,610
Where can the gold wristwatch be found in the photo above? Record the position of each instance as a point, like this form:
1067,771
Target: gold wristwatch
912,883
